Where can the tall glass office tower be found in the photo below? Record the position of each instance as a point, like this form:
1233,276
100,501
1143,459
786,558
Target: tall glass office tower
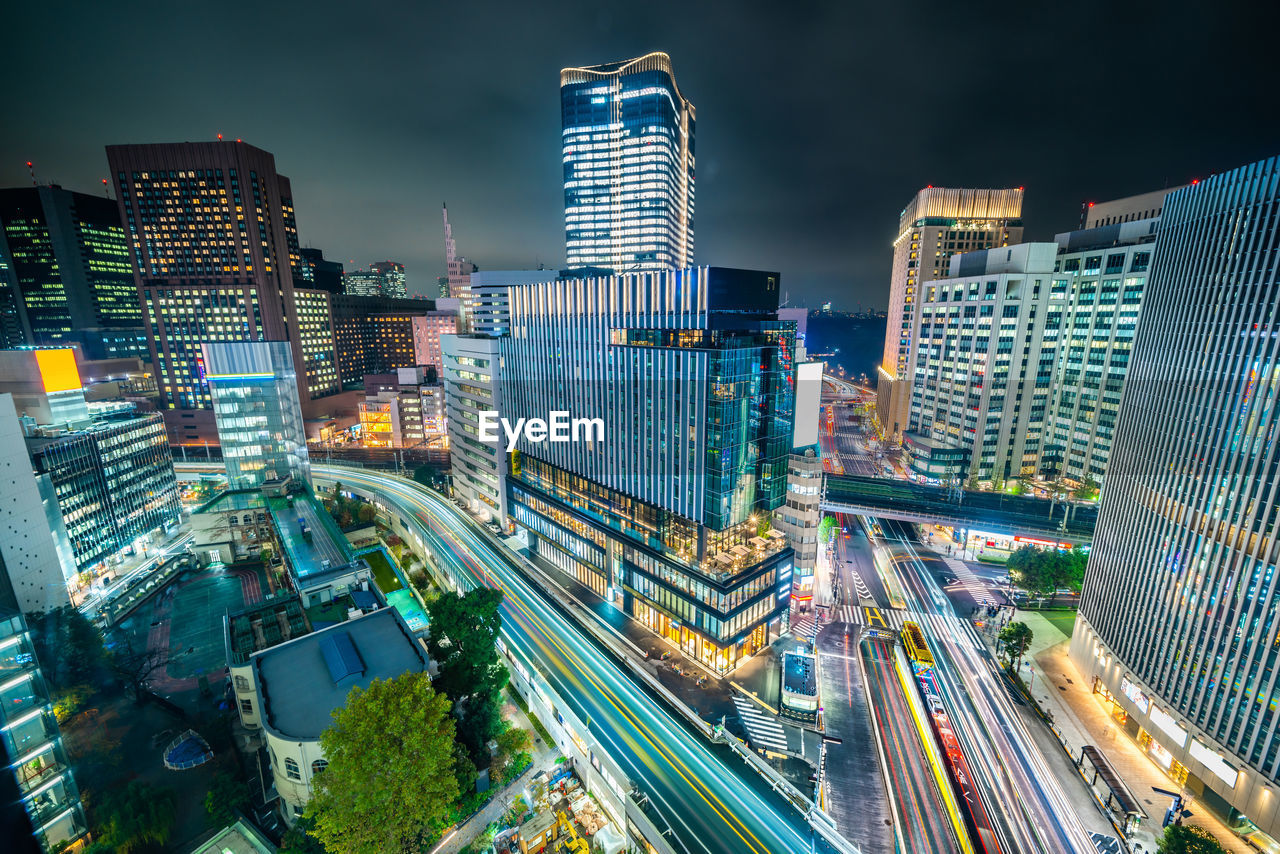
628,166
1179,627
691,373
255,401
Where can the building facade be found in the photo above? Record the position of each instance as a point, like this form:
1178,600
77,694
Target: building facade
300,682
666,514
628,166
114,483
64,262
472,385
48,808
214,247
1021,356
402,410
255,400
374,335
1179,623
936,224
427,330
382,279
29,519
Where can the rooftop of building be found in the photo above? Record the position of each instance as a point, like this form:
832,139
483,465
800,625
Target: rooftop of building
302,681
272,621
239,838
308,534
244,499
800,673
919,440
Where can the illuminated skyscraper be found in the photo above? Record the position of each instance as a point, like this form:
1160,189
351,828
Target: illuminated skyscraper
628,166
1179,625
216,258
937,224
65,274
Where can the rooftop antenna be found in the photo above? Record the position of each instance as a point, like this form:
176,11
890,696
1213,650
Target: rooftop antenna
32,169
106,190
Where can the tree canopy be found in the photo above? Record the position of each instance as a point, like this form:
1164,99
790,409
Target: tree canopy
135,816
390,782
1042,571
225,797
1016,640
464,632
1185,839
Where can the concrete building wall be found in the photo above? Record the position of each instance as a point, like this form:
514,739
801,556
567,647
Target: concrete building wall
26,538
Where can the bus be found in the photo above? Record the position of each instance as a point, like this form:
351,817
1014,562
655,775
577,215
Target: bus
917,648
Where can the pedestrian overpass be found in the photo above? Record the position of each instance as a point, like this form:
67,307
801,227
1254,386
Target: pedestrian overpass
993,512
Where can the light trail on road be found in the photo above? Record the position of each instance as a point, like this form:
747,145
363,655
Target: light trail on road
1031,810
710,806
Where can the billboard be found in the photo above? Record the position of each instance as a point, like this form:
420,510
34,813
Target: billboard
58,370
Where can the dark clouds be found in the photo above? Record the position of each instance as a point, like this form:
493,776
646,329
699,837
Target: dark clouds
816,121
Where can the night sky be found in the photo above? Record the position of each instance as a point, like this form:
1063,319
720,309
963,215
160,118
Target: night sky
817,122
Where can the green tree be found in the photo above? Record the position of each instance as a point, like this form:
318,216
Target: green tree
390,783
367,513
226,797
512,755
464,631
1042,571
299,840
1015,639
1088,490
69,647
824,528
1185,839
134,816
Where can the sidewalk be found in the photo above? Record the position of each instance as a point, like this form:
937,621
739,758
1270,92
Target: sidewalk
544,759
1081,719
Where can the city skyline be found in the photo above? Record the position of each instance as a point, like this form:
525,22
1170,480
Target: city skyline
774,193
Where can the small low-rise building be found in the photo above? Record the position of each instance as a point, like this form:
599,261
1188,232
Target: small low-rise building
300,682
934,461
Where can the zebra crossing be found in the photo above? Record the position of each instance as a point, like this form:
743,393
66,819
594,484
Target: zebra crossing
941,625
763,730
805,628
976,587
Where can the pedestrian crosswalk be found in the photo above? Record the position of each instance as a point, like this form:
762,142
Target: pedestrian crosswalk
804,628
940,625
976,586
763,730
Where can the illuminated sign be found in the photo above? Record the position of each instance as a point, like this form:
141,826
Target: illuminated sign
1213,761
1169,726
1131,691
58,370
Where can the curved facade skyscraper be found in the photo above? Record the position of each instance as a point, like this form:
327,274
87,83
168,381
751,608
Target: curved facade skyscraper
1179,627
628,166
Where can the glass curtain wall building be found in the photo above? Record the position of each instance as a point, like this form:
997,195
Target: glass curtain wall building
1179,628
668,516
628,166
259,416
64,262
47,803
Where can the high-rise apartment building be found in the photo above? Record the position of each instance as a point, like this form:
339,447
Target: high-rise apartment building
1021,355
214,247
938,223
64,267
259,416
628,166
473,385
1179,624
665,511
